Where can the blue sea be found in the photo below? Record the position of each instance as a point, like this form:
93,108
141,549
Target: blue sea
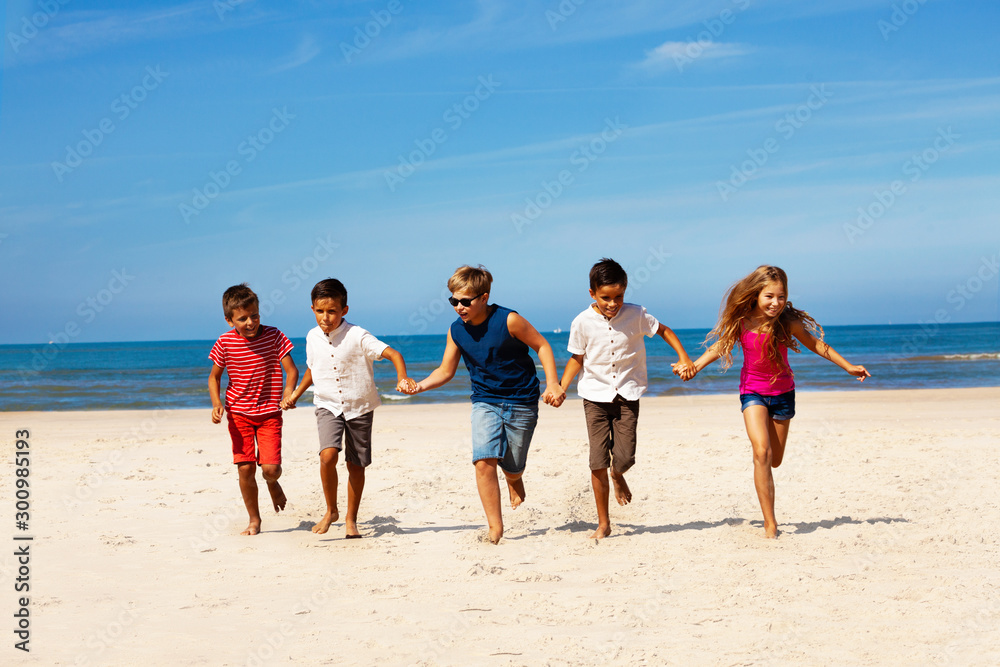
174,374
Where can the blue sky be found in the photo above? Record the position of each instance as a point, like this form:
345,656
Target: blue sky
154,153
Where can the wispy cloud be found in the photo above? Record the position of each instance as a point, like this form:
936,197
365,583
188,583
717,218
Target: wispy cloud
678,55
306,51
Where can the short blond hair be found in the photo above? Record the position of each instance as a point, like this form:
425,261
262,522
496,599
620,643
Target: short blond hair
473,279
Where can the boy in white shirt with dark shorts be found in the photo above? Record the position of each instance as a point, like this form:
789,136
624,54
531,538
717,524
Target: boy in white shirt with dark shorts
607,343
340,355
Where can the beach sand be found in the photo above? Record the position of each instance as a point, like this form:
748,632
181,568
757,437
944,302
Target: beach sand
889,554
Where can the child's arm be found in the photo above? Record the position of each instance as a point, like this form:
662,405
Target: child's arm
443,373
710,355
288,402
214,391
822,349
403,383
573,367
522,330
291,377
684,368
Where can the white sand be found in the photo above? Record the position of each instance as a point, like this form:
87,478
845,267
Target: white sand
888,502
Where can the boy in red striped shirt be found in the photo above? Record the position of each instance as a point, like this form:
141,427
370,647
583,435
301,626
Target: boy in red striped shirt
253,354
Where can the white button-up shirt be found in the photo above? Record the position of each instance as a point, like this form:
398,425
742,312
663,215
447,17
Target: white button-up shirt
614,352
341,366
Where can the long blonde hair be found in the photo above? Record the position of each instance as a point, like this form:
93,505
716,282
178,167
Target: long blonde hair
739,302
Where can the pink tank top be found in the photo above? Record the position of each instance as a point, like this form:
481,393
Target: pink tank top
757,371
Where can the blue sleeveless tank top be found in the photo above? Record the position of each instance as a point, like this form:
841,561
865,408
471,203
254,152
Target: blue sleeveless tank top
500,367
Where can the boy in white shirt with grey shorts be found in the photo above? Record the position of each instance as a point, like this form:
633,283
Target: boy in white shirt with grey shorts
607,343
339,356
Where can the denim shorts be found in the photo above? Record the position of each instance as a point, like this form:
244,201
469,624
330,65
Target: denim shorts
780,407
503,432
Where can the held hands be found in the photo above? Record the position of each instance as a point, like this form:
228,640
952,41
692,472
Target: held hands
554,395
859,372
685,370
407,386
288,402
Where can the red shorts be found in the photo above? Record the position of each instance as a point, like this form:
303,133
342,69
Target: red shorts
264,429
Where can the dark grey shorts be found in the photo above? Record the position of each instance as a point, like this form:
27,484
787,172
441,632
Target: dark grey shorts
356,433
611,428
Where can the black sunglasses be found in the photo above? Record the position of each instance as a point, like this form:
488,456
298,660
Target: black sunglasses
465,302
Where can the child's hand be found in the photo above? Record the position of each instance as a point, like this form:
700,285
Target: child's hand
217,413
406,386
288,403
859,372
554,395
684,370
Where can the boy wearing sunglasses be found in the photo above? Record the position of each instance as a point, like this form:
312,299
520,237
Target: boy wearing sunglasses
493,341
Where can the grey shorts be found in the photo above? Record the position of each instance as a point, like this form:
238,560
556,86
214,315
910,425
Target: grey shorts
611,428
356,433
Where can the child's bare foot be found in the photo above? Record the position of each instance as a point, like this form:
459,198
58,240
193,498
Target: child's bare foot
601,532
323,524
770,531
352,532
496,534
252,529
622,493
277,496
516,489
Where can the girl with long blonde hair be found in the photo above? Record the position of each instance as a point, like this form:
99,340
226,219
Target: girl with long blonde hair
757,316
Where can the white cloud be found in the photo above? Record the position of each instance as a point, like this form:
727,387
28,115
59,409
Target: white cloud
679,55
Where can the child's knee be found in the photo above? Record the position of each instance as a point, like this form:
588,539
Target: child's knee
329,456
270,473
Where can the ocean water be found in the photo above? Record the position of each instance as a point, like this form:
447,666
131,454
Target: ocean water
174,374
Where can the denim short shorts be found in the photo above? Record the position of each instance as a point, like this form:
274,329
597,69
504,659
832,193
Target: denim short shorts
780,407
503,432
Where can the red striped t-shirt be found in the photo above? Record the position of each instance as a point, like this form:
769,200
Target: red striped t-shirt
254,368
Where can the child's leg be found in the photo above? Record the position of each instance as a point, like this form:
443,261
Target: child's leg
759,426
248,489
271,473
489,493
269,457
355,487
328,476
602,495
487,448
358,454
624,421
599,418
779,436
519,423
